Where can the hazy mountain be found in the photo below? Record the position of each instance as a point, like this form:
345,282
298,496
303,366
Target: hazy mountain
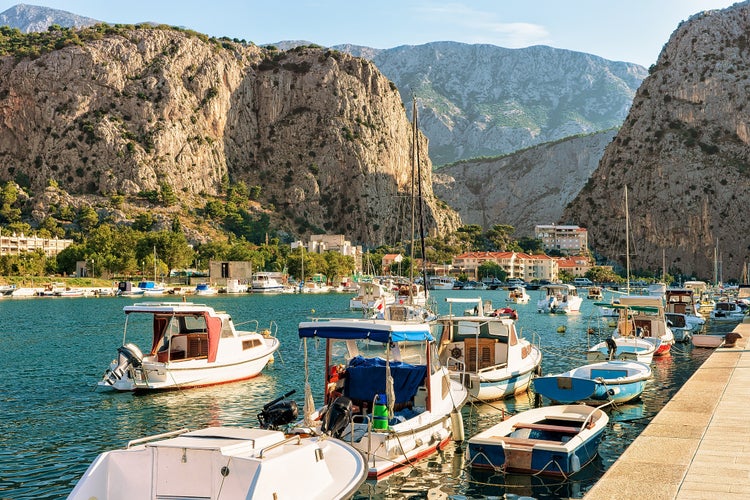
33,18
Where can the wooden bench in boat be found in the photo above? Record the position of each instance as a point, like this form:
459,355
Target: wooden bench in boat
547,427
523,442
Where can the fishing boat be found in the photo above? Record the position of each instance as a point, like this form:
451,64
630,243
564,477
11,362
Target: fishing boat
385,391
559,298
485,352
225,462
552,440
192,346
617,381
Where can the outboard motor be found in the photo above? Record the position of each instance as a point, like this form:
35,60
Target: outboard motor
127,355
278,412
337,417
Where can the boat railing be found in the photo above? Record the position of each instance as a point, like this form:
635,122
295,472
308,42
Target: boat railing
255,321
288,440
156,436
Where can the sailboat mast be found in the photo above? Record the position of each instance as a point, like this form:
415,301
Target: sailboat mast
154,263
627,242
420,200
413,204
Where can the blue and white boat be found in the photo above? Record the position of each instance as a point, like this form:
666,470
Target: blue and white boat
552,440
617,381
386,392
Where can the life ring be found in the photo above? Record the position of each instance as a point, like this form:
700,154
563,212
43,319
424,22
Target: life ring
456,352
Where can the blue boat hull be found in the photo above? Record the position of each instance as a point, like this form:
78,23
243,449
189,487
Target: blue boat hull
544,462
616,381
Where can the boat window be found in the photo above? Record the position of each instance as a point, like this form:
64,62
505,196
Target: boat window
193,324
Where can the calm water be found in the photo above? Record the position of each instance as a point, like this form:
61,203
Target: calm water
54,350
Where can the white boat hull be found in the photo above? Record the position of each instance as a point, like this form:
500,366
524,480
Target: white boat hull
225,462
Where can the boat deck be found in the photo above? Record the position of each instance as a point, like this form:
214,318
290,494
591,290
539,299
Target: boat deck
698,445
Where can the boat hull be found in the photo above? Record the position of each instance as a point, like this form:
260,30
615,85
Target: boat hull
258,462
617,381
707,340
555,450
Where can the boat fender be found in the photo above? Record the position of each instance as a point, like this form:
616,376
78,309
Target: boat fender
457,426
575,463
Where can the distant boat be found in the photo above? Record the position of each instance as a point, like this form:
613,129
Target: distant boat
266,282
205,289
151,288
617,381
559,298
552,440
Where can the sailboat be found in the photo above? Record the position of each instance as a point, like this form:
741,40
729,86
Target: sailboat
152,288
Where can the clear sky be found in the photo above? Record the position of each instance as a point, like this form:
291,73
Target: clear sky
633,30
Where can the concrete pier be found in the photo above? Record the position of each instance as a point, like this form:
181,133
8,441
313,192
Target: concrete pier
698,445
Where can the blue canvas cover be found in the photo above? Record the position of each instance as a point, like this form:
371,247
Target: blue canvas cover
364,330
366,377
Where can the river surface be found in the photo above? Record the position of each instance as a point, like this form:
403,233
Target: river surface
53,423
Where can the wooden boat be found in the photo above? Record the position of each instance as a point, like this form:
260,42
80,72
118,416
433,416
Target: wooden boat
226,462
192,346
485,352
385,391
617,381
594,293
707,340
552,440
560,298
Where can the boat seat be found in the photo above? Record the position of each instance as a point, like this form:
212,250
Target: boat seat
548,427
523,442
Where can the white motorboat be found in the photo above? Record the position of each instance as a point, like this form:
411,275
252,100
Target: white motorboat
205,289
192,346
486,353
385,391
559,298
370,295
683,301
727,311
518,295
225,462
266,282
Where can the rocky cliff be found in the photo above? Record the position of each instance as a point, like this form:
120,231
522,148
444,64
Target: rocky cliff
684,154
522,189
322,133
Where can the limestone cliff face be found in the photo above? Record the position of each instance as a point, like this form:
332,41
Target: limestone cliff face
323,134
684,153
522,189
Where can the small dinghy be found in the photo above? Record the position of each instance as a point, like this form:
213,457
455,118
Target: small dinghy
553,440
617,381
